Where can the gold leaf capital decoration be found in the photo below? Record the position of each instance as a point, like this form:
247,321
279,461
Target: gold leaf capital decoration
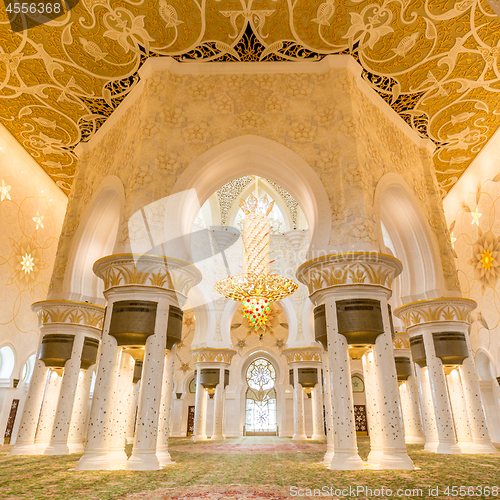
401,340
298,354
69,312
212,355
435,310
353,268
147,270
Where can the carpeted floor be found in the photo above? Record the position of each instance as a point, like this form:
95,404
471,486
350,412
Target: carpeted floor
249,468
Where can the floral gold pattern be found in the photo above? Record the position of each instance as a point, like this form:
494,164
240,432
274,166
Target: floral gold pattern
210,355
486,260
401,341
302,354
66,311
437,67
147,270
349,269
433,310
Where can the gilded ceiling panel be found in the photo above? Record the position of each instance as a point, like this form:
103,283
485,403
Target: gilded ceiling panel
435,62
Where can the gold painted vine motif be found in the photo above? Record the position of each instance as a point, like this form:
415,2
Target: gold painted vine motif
69,312
212,355
437,66
297,355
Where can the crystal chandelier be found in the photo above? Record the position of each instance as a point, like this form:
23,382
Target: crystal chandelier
255,288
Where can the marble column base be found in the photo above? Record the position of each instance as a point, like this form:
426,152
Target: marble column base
396,461
444,448
57,449
375,455
299,437
327,459
199,438
164,457
346,461
94,461
318,437
486,447
41,446
414,440
217,437
24,449
465,446
118,458
76,447
143,461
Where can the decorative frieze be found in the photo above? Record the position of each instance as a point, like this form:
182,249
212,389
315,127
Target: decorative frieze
434,310
297,354
401,340
212,355
69,312
352,268
147,270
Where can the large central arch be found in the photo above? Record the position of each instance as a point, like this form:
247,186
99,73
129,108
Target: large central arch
250,155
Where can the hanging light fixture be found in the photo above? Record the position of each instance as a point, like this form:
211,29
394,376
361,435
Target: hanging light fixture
255,288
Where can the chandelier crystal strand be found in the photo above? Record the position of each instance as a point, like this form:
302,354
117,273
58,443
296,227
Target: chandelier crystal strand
255,288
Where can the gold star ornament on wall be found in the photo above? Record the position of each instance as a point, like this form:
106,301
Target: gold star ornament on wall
38,220
4,191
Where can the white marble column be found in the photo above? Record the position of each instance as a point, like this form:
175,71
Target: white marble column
131,419
317,407
123,395
346,455
48,412
77,426
408,391
165,410
96,454
458,406
146,435
299,427
481,441
219,400
394,454
441,402
373,410
58,444
427,405
330,450
25,443
200,410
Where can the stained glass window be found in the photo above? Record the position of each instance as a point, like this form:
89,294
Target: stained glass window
261,397
357,384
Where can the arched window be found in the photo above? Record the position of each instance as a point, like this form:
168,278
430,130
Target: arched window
192,386
7,361
357,384
261,398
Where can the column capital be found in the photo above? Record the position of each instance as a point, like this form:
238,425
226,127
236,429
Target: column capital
212,355
303,355
146,270
68,312
401,342
350,268
446,309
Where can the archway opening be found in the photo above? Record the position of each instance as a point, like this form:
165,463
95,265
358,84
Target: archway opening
260,399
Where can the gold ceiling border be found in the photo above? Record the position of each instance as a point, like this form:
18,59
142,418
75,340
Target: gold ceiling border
438,68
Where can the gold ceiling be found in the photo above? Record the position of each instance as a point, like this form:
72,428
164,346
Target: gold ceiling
435,62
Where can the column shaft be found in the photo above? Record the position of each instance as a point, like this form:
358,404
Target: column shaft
200,410
96,454
31,412
131,419
481,442
77,426
59,440
123,395
317,407
459,410
330,450
219,398
165,410
144,451
411,413
298,408
48,413
442,409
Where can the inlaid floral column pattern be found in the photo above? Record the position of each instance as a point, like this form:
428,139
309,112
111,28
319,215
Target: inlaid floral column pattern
359,276
70,338
211,365
143,292
408,389
306,365
436,320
